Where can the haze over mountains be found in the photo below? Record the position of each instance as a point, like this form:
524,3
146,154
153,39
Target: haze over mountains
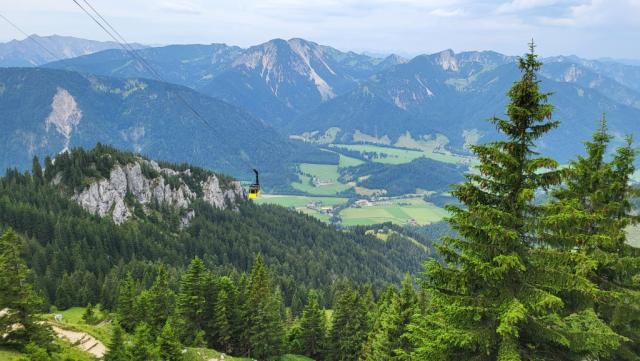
298,86
27,52
289,88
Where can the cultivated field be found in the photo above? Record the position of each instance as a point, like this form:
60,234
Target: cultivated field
399,211
399,155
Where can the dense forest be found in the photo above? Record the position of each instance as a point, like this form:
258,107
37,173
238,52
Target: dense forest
79,258
514,278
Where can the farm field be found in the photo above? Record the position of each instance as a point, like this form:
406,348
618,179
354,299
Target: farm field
400,211
399,155
346,161
300,203
325,173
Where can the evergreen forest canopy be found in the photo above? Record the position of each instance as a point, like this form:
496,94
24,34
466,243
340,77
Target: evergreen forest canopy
517,279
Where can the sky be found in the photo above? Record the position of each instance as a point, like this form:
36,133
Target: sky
587,28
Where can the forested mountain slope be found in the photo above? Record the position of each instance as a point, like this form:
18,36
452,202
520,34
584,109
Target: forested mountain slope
45,111
79,257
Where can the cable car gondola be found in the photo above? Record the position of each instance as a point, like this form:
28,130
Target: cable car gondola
254,189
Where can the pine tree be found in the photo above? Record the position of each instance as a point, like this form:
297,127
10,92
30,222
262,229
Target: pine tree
126,304
589,214
36,170
19,304
117,350
191,301
89,315
388,340
169,346
222,320
143,348
265,329
350,325
313,328
240,324
496,296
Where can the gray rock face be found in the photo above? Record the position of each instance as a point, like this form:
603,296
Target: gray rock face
214,195
107,196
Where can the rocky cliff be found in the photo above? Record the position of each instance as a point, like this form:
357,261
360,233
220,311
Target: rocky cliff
146,182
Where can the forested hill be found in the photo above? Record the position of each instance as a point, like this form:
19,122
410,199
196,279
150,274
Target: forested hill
79,257
45,111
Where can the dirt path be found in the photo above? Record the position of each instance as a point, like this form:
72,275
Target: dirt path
82,340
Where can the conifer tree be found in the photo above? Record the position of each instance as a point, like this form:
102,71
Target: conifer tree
117,350
126,304
388,340
169,346
590,214
154,305
313,330
496,296
144,347
222,321
350,325
89,315
240,326
19,303
36,170
191,301
265,329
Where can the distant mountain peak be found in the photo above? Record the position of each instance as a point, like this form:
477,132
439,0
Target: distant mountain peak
447,60
29,51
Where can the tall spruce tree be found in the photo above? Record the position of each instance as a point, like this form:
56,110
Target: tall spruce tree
19,304
169,347
157,302
191,301
350,324
496,296
117,350
265,329
589,214
388,339
126,304
222,321
313,328
144,347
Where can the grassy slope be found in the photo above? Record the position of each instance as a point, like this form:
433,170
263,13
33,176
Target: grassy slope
399,211
324,172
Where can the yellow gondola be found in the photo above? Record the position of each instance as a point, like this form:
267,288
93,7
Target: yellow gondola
254,189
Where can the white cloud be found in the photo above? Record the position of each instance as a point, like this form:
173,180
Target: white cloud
520,5
180,7
446,13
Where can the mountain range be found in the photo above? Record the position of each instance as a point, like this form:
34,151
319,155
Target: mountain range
255,98
299,86
37,50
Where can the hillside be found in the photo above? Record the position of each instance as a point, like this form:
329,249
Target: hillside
46,111
174,213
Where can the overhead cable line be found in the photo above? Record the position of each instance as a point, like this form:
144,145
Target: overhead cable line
29,36
135,55
118,38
